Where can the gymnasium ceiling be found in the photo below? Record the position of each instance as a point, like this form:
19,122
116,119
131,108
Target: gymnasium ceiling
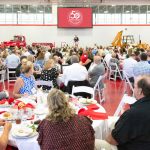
102,6
77,2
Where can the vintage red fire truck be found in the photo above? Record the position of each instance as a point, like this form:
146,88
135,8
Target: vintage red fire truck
20,41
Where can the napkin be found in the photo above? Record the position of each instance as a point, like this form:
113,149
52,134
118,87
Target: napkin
120,67
29,105
10,100
93,107
94,115
1,112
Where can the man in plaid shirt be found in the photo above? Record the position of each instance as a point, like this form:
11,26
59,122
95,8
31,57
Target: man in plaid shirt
142,66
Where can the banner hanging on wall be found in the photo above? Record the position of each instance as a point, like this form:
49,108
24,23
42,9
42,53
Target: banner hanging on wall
75,18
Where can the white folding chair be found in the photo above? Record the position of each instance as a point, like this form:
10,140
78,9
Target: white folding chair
47,83
37,65
2,77
126,99
127,81
84,89
114,71
97,88
9,71
106,67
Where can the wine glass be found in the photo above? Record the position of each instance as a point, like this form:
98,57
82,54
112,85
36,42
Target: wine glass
25,116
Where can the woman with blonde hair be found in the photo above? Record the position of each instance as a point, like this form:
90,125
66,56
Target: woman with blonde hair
25,84
63,125
5,53
114,60
49,73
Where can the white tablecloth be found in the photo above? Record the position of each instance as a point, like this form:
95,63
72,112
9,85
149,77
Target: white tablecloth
100,127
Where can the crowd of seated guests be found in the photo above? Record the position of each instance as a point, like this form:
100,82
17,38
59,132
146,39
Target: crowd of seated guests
84,64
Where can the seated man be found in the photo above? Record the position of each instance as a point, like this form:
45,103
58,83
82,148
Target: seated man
142,66
4,95
12,59
128,65
74,72
108,57
132,131
5,135
96,72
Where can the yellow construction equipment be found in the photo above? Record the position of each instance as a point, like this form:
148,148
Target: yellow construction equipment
144,46
118,39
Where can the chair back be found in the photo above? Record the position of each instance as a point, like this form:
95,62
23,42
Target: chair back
84,89
12,65
97,83
37,66
127,80
47,83
2,77
126,99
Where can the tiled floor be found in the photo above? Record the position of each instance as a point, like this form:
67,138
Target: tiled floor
113,94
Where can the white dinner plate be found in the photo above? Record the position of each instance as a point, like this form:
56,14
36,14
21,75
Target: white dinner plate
26,131
40,111
8,118
25,137
83,101
4,106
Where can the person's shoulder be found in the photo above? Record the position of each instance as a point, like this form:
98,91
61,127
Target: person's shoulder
82,118
19,79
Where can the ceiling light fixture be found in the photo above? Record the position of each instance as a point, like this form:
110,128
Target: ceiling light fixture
7,5
18,11
105,12
40,11
127,11
113,5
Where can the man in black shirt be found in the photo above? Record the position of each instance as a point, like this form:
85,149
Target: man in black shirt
132,130
76,39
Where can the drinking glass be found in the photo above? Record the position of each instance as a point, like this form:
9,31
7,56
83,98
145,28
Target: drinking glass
25,117
13,111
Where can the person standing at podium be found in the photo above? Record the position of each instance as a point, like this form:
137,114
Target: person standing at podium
76,40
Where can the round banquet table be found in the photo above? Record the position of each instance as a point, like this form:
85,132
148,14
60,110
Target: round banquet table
100,127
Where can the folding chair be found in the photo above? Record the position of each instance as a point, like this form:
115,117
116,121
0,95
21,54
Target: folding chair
47,83
127,82
9,71
114,71
84,89
106,67
2,77
37,66
126,99
97,88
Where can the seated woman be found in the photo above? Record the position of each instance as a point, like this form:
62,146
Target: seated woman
5,134
49,73
69,58
40,58
88,61
25,84
5,54
114,60
62,128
